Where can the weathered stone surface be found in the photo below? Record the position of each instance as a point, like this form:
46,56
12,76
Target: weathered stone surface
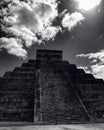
49,90
49,55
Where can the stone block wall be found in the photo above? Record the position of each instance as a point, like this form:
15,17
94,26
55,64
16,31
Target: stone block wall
17,94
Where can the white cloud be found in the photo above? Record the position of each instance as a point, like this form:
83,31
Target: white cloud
98,70
88,4
95,57
26,19
34,14
71,20
97,63
85,68
13,46
25,34
50,32
31,21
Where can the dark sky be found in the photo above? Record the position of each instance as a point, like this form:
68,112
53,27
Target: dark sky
85,38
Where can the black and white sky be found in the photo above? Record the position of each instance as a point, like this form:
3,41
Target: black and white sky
74,26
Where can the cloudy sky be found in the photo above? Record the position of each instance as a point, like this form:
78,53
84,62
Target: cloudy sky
74,26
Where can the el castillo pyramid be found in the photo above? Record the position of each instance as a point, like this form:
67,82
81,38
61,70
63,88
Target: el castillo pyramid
49,90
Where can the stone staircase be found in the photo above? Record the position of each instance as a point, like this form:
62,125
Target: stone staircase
59,96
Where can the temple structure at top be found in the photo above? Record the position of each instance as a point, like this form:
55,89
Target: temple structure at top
49,90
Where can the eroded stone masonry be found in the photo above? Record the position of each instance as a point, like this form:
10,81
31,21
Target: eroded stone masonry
49,90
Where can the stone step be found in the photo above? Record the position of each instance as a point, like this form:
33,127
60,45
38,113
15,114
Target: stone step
94,81
18,78
19,74
27,65
24,69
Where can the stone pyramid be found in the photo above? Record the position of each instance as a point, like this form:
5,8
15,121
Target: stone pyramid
49,90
